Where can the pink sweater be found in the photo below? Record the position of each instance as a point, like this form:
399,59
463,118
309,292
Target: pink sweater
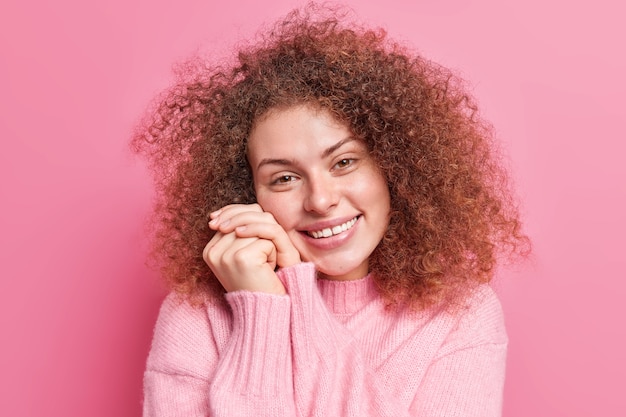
327,349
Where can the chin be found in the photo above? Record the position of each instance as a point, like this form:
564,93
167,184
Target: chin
348,270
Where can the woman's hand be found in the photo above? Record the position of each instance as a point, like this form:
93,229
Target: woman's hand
247,247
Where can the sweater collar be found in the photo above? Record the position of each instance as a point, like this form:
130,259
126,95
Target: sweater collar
348,297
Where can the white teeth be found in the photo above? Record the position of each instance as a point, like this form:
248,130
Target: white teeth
328,232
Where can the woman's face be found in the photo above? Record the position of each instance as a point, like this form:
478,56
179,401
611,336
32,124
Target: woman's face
321,185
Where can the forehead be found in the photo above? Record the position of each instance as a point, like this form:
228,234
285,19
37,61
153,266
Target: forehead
295,129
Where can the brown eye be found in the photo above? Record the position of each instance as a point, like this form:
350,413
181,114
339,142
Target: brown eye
284,179
344,163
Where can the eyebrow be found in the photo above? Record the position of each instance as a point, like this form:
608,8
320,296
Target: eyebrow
285,162
270,161
337,145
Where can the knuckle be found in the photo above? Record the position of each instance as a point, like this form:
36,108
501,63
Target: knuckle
206,252
268,217
241,257
210,257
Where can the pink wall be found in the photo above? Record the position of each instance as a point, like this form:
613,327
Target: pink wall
77,305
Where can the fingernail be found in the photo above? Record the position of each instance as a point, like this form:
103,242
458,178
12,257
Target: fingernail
215,213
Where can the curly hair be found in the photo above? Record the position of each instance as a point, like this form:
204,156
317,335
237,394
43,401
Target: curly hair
452,213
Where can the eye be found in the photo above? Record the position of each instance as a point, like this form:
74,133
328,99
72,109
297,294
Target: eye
344,163
283,179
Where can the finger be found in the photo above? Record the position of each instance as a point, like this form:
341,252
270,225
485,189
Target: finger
217,245
259,258
286,252
231,252
216,237
231,220
218,255
251,253
245,264
230,210
217,250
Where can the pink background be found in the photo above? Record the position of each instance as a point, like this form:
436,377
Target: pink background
77,304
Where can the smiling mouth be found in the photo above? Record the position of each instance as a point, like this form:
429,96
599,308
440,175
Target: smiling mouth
332,231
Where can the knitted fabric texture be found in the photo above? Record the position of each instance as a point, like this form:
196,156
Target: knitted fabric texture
326,349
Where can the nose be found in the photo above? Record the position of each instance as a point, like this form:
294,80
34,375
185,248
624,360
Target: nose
322,195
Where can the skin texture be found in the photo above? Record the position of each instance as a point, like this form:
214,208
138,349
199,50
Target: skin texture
312,174
246,248
452,214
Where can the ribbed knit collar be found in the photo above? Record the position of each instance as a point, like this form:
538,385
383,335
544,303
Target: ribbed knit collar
348,297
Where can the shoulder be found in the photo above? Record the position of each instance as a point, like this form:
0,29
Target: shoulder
184,338
483,312
478,320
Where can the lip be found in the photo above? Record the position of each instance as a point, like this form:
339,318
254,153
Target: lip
327,224
330,242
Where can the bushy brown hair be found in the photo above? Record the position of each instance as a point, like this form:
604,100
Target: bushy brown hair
452,214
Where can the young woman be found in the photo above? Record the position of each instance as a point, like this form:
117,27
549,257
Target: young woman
331,208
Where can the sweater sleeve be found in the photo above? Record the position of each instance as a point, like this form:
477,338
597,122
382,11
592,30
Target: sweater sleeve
331,377
467,376
254,374
215,362
182,355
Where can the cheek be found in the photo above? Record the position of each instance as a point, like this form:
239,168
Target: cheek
372,189
380,202
281,208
